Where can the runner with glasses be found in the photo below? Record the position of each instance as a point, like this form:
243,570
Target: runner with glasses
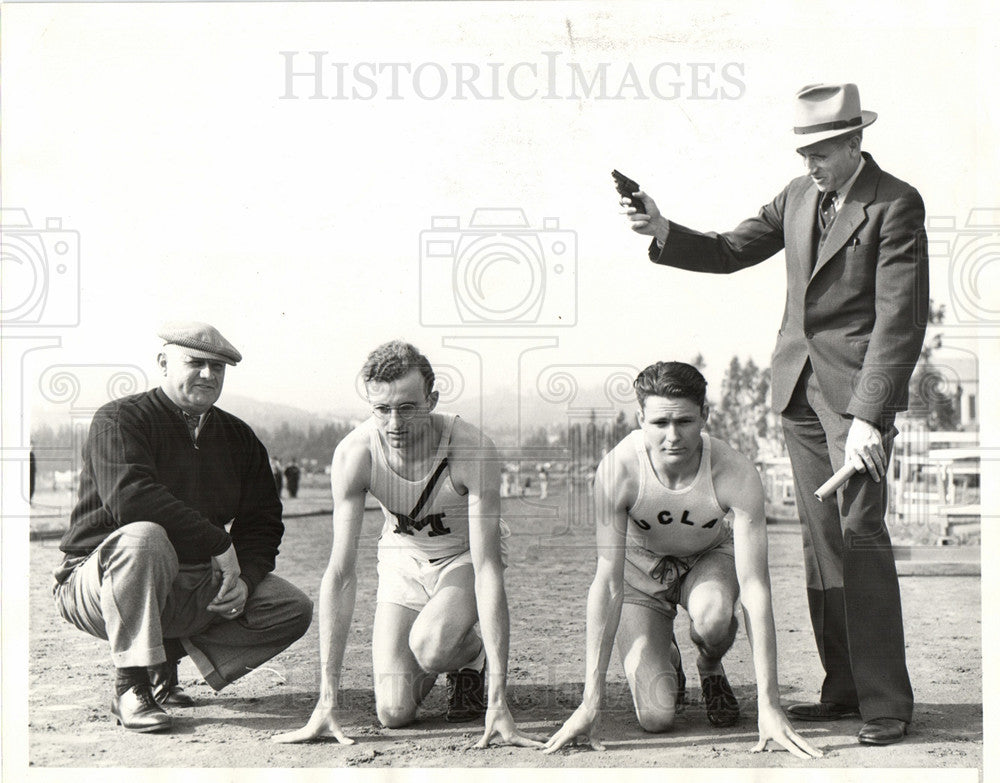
440,557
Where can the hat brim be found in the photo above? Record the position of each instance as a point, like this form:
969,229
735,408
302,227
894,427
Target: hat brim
805,139
200,354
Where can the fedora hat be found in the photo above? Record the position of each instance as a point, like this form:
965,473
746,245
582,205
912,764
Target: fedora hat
823,111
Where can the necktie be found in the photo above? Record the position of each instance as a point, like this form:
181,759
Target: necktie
192,425
827,212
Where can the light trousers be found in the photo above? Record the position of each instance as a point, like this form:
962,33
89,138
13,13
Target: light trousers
133,592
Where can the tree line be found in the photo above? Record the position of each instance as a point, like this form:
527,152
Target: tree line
739,415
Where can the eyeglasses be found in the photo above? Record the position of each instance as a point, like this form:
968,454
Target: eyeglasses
406,411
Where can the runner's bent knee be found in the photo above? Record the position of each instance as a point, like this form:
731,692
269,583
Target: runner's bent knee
434,651
712,621
716,637
656,720
395,716
435,642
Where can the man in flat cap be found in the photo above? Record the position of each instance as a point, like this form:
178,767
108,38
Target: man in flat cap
854,322
148,562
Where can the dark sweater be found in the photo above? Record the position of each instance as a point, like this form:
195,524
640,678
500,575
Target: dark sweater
140,464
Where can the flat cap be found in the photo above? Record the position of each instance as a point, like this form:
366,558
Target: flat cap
199,339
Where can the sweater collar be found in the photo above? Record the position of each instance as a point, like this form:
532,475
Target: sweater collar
173,406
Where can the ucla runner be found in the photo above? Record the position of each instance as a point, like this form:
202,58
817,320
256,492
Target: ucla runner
440,557
680,520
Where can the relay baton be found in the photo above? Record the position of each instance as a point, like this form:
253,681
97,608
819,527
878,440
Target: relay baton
835,482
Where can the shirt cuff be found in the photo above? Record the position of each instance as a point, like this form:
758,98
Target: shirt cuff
655,248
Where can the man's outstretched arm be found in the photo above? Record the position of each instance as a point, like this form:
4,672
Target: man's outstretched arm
481,476
742,491
349,479
604,606
752,241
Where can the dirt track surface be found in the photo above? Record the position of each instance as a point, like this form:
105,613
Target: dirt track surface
551,568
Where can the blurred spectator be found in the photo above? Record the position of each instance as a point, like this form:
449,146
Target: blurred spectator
292,474
276,472
505,484
31,475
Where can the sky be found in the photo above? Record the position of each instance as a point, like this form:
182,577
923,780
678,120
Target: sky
196,169
203,182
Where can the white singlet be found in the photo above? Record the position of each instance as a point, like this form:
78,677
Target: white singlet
678,522
428,515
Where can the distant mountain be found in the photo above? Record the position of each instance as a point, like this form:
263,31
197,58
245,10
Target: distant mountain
256,413
500,405
271,415
532,411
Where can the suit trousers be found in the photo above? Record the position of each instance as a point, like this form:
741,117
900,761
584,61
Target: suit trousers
133,592
851,580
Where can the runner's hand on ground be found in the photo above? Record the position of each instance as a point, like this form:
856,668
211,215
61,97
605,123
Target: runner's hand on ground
322,723
581,728
772,725
499,722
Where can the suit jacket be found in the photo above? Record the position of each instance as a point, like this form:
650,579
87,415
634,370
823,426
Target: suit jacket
858,312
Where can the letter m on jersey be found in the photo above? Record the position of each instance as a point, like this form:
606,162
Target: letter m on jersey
407,523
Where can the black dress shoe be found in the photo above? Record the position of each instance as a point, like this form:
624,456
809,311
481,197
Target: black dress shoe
137,710
882,731
166,689
823,710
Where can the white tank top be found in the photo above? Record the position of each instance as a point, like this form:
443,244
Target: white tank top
429,514
677,522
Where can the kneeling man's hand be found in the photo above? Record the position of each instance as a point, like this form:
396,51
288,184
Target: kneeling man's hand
233,591
581,726
322,723
773,725
500,722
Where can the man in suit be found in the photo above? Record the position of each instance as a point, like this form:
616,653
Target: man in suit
854,322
